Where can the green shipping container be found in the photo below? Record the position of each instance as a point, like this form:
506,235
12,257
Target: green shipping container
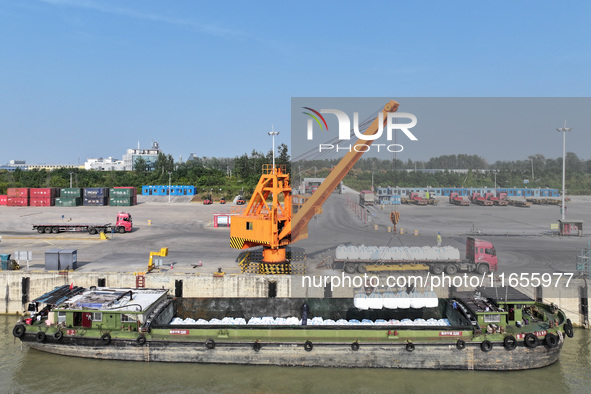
68,201
121,201
71,192
118,192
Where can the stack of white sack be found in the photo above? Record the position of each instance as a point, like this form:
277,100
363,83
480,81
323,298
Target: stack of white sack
397,253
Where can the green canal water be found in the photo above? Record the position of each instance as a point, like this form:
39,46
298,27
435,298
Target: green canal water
24,370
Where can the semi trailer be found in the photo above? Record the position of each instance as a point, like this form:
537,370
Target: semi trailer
124,224
481,258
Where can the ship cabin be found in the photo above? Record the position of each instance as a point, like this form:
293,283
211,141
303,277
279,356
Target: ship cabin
107,308
505,309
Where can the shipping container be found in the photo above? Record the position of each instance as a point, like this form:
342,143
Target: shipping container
96,192
41,202
71,192
68,201
122,201
46,192
122,192
17,201
95,201
3,199
18,192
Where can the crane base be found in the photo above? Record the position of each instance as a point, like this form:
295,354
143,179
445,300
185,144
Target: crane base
275,268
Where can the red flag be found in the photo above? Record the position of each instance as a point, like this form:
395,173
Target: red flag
71,285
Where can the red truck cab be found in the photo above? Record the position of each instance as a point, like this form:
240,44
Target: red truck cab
482,253
124,222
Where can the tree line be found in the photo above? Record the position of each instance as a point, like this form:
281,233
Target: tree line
239,175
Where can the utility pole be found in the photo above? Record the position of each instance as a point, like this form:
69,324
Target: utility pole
273,133
563,130
169,184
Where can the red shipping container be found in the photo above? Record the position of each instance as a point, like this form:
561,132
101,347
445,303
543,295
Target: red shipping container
3,199
41,202
46,192
18,192
17,201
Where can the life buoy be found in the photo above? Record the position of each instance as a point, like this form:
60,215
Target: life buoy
19,331
256,346
355,346
568,328
106,339
551,340
486,346
410,347
530,340
40,337
210,344
58,335
460,344
510,342
141,340
308,346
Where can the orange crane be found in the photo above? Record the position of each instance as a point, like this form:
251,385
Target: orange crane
267,221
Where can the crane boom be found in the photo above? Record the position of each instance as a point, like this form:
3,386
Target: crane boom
299,223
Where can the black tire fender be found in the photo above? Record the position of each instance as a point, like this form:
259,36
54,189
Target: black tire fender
568,328
460,344
308,346
141,340
256,346
355,346
530,340
210,344
410,347
106,339
40,337
486,346
551,340
510,342
58,335
19,331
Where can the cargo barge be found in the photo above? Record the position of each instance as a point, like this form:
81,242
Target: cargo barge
492,329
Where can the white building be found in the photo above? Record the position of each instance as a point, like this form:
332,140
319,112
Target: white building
149,155
108,164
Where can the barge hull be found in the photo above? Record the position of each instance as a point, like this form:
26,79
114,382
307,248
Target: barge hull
424,356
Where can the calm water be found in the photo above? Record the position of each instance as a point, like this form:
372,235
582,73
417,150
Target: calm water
24,370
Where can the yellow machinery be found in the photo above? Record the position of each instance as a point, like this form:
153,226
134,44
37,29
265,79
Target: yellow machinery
268,221
162,253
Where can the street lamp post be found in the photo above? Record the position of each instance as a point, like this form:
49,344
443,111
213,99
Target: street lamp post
563,130
273,133
169,184
71,179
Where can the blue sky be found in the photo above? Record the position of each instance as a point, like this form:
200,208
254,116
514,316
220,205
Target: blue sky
89,78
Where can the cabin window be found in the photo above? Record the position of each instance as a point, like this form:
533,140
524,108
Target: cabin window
492,318
490,251
249,225
61,317
128,318
97,316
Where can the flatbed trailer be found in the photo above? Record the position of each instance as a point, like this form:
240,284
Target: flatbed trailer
436,267
91,228
520,203
124,224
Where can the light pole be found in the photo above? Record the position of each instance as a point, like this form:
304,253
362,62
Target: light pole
71,179
273,133
169,184
563,130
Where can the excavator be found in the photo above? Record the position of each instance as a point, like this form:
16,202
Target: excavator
268,221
